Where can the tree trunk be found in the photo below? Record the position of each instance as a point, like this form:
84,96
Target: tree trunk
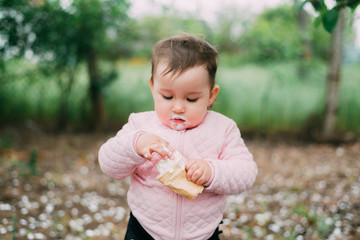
98,111
306,52
66,82
333,78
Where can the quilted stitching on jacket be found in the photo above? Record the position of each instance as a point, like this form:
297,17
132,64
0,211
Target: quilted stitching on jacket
217,140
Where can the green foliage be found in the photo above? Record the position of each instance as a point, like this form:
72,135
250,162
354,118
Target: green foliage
52,84
6,141
28,169
303,211
63,36
320,43
59,38
258,97
13,232
229,27
273,36
150,29
348,99
32,164
130,93
270,98
29,95
328,17
324,226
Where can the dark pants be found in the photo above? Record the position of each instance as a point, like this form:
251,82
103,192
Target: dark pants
136,232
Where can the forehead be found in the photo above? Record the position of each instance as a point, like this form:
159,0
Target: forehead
162,70
192,79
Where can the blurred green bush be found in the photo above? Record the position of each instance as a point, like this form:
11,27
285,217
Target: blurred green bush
61,66
260,98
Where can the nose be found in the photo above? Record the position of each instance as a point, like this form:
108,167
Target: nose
178,107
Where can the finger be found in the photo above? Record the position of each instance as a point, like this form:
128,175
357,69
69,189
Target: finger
147,155
159,149
167,148
195,174
201,180
189,163
189,173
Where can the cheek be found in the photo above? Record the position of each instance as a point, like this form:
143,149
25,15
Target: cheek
198,112
160,103
161,108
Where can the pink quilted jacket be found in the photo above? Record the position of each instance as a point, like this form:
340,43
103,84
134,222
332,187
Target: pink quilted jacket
163,213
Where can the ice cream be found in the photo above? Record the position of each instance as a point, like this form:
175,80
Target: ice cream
172,174
178,122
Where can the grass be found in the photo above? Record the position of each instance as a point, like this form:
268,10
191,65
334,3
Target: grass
322,226
259,98
268,98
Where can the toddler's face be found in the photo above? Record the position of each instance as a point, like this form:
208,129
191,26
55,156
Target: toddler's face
181,100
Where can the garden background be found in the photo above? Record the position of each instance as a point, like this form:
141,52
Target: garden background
71,72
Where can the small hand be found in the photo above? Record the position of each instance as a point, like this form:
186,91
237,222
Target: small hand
149,145
198,171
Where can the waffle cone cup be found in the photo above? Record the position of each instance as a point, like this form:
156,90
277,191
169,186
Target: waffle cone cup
176,180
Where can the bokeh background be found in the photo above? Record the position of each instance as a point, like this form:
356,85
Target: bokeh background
71,72
85,64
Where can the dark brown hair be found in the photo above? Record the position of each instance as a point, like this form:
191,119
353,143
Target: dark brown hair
182,52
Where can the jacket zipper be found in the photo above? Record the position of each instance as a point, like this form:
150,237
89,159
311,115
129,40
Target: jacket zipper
178,218
178,235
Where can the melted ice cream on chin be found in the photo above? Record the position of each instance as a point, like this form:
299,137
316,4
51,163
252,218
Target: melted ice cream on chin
179,125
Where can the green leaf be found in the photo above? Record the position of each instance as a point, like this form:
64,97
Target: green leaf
317,21
353,4
300,6
329,19
319,5
32,164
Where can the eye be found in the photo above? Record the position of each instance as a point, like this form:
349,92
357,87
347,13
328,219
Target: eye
192,99
167,97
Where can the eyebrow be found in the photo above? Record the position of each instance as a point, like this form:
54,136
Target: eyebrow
165,89
171,90
194,92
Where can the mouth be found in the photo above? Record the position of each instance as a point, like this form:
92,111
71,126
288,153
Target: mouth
178,122
178,119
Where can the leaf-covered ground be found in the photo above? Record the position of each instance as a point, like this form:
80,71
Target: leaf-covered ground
51,187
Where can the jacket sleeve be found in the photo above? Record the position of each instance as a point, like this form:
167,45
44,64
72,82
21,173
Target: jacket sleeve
234,171
118,157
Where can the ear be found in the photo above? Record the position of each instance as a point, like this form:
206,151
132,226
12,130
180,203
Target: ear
151,85
213,94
